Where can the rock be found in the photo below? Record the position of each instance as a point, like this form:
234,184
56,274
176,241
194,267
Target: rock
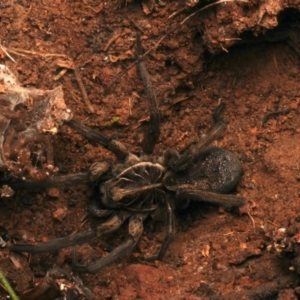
60,214
53,192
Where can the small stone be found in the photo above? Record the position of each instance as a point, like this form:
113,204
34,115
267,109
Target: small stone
221,210
6,191
60,214
53,192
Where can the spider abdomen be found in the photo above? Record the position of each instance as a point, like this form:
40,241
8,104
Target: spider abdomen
215,169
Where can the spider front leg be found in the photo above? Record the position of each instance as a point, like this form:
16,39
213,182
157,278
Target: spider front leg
53,181
95,136
151,137
136,229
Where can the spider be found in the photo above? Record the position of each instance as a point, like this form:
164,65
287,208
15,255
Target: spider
136,188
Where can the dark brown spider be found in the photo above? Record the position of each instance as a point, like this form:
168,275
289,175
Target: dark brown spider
136,188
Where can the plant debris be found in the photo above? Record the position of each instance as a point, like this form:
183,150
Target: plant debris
28,117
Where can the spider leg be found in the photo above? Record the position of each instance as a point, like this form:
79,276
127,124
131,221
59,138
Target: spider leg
96,170
113,145
223,200
110,225
215,132
54,181
169,236
54,245
135,231
151,137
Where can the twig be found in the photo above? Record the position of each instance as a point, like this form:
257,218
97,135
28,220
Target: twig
115,36
223,48
232,39
180,100
83,90
129,105
6,53
69,63
20,51
251,218
70,89
8,287
60,74
273,113
176,13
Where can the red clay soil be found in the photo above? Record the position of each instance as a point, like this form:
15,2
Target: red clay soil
225,53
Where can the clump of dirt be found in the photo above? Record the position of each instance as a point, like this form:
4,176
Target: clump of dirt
215,253
224,26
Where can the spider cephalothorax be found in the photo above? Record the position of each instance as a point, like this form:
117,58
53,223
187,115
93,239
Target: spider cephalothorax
138,188
134,189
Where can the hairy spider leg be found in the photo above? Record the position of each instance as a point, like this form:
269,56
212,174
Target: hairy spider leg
151,137
56,244
223,200
136,229
53,181
170,233
110,225
95,136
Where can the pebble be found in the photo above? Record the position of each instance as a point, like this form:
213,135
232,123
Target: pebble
53,192
60,214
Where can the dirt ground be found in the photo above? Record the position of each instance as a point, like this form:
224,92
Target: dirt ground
216,254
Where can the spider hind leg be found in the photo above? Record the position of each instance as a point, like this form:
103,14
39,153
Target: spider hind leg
170,233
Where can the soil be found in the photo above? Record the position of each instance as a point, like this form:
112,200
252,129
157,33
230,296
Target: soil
217,55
